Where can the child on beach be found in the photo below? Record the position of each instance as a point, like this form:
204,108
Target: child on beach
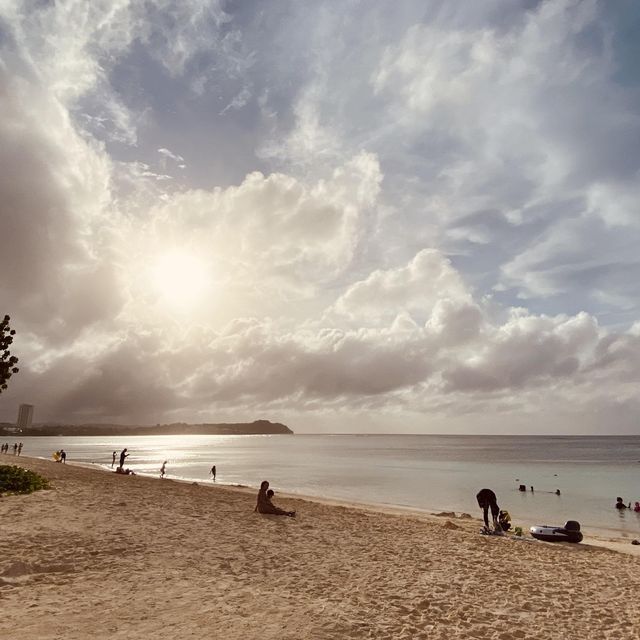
264,504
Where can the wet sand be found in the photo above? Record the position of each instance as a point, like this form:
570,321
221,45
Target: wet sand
110,556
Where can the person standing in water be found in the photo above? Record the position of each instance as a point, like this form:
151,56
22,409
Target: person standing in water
123,456
487,500
213,472
163,469
621,505
113,459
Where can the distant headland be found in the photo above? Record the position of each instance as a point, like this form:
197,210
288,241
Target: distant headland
258,427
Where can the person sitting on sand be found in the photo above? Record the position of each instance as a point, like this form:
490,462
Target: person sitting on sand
487,500
276,510
504,518
621,505
264,504
126,472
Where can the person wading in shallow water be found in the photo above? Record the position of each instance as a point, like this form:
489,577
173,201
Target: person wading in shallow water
487,500
113,459
213,472
123,456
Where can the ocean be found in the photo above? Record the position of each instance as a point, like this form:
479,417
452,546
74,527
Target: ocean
424,472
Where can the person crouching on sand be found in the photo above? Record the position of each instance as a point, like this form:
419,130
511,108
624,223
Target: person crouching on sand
264,504
487,500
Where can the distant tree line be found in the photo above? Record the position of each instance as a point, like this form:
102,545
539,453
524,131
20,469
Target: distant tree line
259,427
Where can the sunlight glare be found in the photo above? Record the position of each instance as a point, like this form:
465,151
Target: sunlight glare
180,279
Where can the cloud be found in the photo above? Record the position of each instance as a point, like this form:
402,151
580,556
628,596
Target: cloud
369,194
415,288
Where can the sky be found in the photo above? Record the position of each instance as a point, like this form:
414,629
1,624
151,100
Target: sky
356,216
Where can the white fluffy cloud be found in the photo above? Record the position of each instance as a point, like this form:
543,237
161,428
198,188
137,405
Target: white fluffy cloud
211,211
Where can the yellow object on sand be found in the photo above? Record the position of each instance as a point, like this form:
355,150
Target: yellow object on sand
56,456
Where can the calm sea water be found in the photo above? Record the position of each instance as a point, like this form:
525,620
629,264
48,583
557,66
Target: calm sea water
428,472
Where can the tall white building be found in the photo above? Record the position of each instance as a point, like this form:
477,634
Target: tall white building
25,416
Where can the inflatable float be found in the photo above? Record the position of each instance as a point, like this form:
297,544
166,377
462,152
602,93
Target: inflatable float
569,533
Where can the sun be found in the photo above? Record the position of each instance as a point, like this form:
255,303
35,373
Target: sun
179,279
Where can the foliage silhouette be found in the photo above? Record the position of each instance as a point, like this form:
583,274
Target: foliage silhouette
7,361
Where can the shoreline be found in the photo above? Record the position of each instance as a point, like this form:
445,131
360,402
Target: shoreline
103,555
600,538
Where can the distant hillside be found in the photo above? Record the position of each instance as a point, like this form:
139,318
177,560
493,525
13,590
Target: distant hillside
259,427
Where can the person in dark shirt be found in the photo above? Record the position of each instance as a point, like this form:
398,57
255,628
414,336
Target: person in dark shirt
621,505
264,504
123,456
63,456
487,500
113,459
213,472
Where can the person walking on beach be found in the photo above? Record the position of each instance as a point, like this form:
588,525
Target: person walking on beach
123,456
163,469
487,500
113,459
213,472
63,456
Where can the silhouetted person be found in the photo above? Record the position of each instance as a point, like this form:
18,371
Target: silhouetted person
262,494
557,492
20,448
63,456
621,505
276,510
163,469
487,500
213,472
113,459
123,456
15,448
264,504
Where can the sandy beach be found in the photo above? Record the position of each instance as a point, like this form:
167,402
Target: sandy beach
109,556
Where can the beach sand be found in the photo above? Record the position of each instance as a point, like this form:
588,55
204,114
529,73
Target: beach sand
110,556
